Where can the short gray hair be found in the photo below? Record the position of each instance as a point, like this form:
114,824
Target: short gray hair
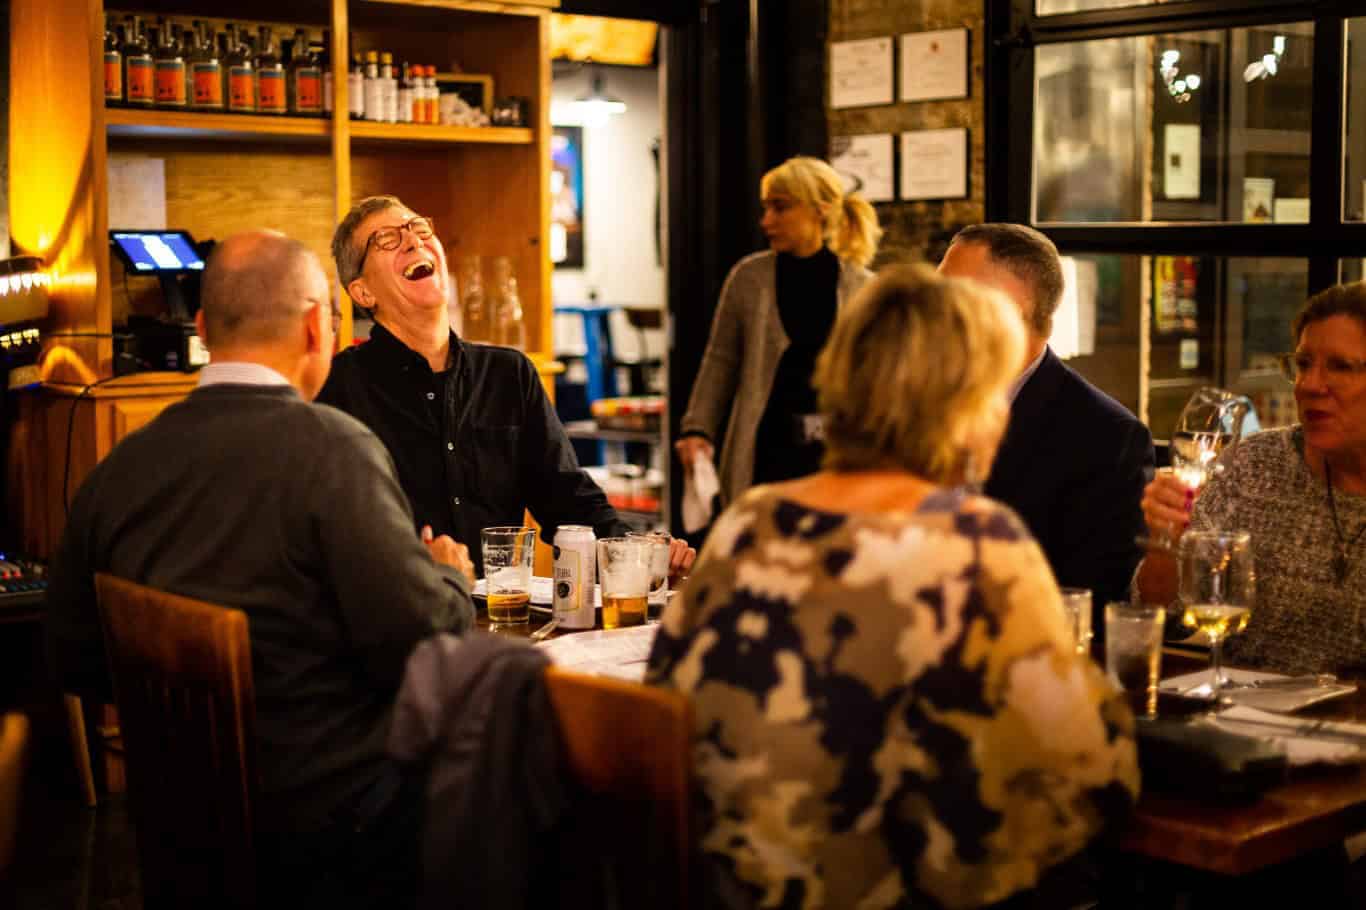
250,292
1030,257
345,253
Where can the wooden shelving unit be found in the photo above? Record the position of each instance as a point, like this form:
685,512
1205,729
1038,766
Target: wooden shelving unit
364,131
125,122
487,189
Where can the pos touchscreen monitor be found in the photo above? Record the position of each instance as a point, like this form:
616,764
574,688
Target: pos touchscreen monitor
156,252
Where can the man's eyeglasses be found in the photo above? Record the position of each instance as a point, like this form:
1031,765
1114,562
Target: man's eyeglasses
388,238
1335,369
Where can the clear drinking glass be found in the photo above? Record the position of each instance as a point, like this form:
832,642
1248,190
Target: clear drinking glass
508,554
1211,421
659,568
624,579
1218,585
1076,606
1133,650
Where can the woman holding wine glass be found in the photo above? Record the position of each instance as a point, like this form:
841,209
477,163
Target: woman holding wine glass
1300,492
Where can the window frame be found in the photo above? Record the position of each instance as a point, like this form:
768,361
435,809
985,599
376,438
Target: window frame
1014,30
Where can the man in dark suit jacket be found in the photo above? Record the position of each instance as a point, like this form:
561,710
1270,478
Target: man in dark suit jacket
1074,461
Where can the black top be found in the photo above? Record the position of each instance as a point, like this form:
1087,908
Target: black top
476,445
249,497
1073,464
807,299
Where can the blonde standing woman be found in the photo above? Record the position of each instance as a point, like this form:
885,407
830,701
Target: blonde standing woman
775,313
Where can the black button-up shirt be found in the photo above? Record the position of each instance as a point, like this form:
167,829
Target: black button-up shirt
475,445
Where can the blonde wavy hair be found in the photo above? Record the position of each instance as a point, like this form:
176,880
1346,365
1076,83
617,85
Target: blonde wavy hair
915,372
849,222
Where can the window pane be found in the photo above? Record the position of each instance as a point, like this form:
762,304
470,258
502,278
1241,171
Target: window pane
1197,126
1209,321
1053,7
1354,164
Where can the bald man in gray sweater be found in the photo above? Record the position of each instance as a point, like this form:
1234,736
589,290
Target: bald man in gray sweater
249,496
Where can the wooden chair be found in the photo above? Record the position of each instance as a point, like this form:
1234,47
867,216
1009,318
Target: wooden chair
13,741
183,683
630,748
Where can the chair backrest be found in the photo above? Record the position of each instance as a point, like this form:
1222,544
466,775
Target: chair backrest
629,747
13,741
183,682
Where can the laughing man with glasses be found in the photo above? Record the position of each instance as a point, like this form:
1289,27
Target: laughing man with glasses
475,438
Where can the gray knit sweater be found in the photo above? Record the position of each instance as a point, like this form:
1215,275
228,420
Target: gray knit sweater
1303,620
736,376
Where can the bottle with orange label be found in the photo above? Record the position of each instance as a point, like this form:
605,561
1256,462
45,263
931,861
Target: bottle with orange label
113,62
272,94
305,79
171,89
139,68
241,74
206,71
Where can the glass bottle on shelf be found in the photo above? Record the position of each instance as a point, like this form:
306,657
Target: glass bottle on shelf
305,79
139,69
170,69
355,88
113,62
241,74
474,314
323,53
271,92
505,307
206,71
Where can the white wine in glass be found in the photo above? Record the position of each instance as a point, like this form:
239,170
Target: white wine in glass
1218,587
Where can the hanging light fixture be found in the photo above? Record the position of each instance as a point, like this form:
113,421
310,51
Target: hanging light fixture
594,108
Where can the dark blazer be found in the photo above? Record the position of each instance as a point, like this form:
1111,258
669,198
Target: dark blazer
1073,464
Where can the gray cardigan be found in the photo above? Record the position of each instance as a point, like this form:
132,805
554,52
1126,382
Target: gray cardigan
747,340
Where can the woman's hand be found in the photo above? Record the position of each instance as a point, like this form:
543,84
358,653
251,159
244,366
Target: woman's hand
690,447
1167,503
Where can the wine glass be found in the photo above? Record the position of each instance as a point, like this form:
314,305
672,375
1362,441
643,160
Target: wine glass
1209,423
1218,586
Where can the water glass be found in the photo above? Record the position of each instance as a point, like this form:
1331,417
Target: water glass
659,567
1133,650
624,578
1076,607
508,553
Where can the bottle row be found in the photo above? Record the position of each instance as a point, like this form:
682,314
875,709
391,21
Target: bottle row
173,66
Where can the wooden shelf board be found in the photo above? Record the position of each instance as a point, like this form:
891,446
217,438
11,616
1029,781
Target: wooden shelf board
200,125
362,131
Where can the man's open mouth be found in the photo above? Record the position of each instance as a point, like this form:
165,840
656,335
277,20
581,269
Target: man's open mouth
419,270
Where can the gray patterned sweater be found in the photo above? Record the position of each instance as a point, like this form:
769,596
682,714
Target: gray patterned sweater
1303,621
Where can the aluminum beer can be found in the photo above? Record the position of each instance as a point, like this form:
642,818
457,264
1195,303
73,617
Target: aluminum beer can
575,575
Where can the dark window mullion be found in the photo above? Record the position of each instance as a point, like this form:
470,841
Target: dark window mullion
1326,143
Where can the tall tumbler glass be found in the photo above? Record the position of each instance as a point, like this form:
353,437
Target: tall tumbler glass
659,567
1133,651
624,578
508,553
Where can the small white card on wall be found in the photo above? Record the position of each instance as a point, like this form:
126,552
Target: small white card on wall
934,65
861,73
1291,210
934,164
865,163
1181,161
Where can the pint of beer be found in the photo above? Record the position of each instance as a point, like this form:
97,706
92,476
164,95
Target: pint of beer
624,576
508,553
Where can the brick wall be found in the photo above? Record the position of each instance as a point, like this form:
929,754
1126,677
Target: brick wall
917,229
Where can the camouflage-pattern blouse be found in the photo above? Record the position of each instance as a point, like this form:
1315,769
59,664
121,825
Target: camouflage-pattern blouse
888,712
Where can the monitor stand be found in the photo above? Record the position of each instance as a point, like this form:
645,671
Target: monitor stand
174,297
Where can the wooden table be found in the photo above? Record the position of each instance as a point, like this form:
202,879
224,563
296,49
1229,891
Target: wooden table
1315,808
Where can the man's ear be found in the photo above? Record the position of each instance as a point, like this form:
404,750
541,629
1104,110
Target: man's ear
313,327
361,294
199,327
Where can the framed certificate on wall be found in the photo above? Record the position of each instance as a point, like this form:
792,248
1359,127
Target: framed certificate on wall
934,164
934,65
